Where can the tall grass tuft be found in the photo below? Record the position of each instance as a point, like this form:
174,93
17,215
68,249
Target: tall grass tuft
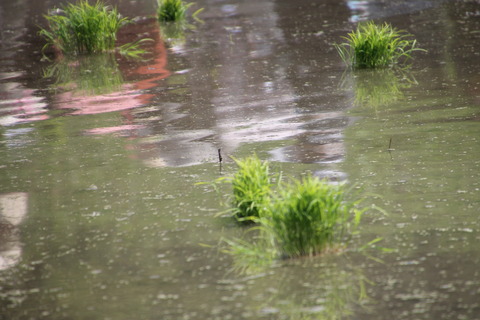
251,187
83,28
308,215
302,218
172,10
375,46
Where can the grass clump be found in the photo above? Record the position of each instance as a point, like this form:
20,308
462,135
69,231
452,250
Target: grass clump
83,28
308,215
251,188
305,217
172,10
172,16
375,46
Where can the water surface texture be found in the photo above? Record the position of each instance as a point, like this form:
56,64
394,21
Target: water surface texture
101,217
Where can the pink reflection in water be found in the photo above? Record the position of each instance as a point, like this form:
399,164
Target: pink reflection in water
19,104
115,101
105,130
131,95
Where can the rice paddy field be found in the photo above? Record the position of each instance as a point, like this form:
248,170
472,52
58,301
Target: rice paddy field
106,205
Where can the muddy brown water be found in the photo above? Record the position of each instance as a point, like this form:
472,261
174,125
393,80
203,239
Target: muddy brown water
101,217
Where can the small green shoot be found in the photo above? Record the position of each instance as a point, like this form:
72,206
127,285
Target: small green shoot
132,49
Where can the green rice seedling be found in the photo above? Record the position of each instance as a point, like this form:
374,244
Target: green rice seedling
132,49
374,46
251,188
172,10
308,215
83,28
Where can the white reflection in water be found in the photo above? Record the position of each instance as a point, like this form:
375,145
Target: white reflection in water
374,9
19,104
13,209
359,10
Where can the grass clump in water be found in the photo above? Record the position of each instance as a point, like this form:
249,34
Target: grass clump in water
172,10
376,46
308,215
251,188
172,16
83,28
305,217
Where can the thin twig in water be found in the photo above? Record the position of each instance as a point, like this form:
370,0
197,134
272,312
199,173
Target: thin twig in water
220,155
390,145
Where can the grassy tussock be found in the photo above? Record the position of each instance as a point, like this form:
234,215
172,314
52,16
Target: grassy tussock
83,28
309,215
251,187
302,218
376,46
172,10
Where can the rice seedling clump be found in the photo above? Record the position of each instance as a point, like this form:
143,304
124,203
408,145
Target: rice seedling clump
308,215
172,10
304,217
374,46
83,28
251,187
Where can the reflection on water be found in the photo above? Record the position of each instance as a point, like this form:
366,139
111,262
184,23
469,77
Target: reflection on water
378,88
378,9
86,75
96,84
323,288
174,34
13,210
90,85
245,98
19,104
360,10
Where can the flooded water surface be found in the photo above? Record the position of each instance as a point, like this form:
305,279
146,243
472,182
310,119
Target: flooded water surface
102,216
